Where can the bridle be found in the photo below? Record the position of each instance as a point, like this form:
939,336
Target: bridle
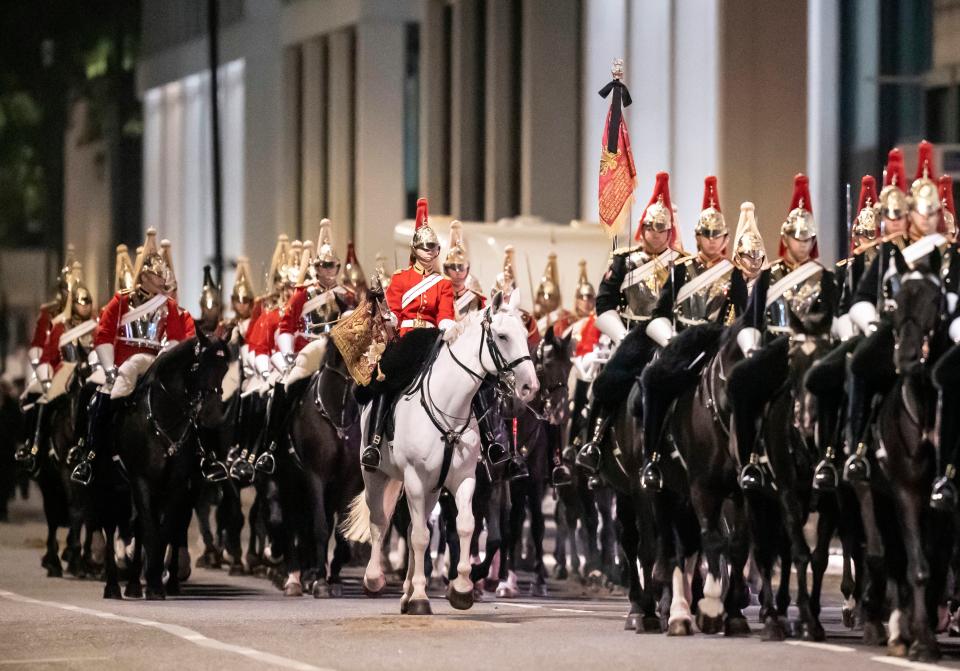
502,368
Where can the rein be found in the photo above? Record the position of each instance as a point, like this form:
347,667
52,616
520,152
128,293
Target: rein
173,445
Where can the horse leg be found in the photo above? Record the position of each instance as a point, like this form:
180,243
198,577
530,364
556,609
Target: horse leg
51,511
647,554
419,504
461,589
321,538
710,609
111,590
231,514
133,589
828,507
341,556
850,530
591,527
630,541
765,533
150,529
925,646
608,537
381,496
738,595
537,530
671,569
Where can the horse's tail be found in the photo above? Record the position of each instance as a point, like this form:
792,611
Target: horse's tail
356,526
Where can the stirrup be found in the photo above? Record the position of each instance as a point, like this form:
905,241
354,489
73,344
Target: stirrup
594,482
569,454
651,478
825,476
856,468
83,473
561,476
73,454
517,469
943,498
213,470
751,475
266,463
496,453
370,458
588,458
242,471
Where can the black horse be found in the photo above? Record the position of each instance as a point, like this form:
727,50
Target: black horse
318,476
154,434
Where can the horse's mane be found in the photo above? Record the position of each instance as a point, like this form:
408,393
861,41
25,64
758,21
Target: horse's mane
461,325
178,358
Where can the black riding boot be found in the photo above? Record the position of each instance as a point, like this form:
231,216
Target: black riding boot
944,495
568,455
655,409
241,469
746,417
264,460
98,424
590,455
490,433
857,468
26,454
370,458
825,381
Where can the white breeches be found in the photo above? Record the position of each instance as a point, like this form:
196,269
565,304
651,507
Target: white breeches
129,372
61,379
32,388
308,361
231,381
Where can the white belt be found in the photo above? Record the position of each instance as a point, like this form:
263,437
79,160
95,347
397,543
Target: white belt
416,324
141,342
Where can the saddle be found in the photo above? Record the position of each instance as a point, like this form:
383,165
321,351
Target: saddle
413,384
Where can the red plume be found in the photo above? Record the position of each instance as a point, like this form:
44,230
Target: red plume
868,191
711,196
801,191
894,172
946,193
421,213
660,189
924,160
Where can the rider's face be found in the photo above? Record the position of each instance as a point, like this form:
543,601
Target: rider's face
798,250
151,283
922,224
327,274
83,311
712,248
895,226
457,273
655,241
426,256
242,309
585,306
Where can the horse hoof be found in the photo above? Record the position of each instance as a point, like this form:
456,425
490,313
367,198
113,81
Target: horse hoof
236,569
490,584
649,624
152,594
561,573
336,590
773,630
55,570
925,651
680,627
897,648
849,618
459,600
133,590
632,622
376,588
321,590
112,591
538,589
418,607
293,589
507,591
874,634
736,626
709,624
813,632
173,589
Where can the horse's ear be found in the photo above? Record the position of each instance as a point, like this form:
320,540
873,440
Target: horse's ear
496,301
202,339
514,302
566,341
549,337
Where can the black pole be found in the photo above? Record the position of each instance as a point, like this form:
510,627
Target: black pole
213,27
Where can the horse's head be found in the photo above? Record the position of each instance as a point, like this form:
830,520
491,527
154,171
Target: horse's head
204,380
553,366
506,352
915,320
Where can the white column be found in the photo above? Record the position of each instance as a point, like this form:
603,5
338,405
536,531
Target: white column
823,124
696,111
465,150
153,121
289,191
313,151
549,184
232,86
171,214
434,107
340,131
604,39
380,70
500,117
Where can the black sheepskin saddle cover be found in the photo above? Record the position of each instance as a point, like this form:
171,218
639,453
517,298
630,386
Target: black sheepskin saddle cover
680,363
621,372
401,363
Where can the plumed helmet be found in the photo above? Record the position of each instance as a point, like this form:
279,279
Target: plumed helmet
423,235
748,249
867,224
800,223
948,212
123,275
584,288
278,263
325,251
547,298
291,268
893,200
457,253
710,223
209,292
151,260
924,194
352,276
243,291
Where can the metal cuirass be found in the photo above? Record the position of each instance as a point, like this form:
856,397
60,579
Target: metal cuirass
148,329
798,299
704,304
639,298
320,312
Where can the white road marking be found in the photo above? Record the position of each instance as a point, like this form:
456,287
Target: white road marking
186,634
532,606
907,664
572,610
822,646
50,660
515,605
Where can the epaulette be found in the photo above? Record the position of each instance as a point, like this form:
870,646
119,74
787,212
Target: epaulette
841,263
398,271
624,250
126,292
868,245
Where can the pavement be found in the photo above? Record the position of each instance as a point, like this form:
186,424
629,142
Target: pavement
225,622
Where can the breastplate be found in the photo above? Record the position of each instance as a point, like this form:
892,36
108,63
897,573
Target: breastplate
147,330
318,321
704,304
640,298
798,299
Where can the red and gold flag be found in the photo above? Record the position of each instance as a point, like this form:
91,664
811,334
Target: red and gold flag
618,174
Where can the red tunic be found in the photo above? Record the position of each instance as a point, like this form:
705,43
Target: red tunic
426,308
108,330
261,334
51,349
42,329
589,336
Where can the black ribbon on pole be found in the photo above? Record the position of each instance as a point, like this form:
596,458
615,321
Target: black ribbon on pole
621,99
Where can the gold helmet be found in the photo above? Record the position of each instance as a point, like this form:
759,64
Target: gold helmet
800,223
658,215
584,288
710,223
306,271
893,201
291,269
352,276
243,291
924,194
326,253
123,275
151,260
749,252
506,278
548,298
209,292
423,236
77,293
278,263
867,224
457,253
168,259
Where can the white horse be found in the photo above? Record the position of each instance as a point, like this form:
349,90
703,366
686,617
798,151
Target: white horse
433,418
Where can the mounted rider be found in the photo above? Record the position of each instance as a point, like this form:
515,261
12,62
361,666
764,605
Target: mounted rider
42,328
134,327
947,209
234,329
548,303
626,300
704,289
799,290
420,300
211,306
825,379
871,370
